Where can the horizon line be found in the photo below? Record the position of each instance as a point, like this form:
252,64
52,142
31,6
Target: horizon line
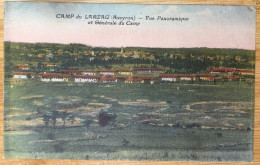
125,46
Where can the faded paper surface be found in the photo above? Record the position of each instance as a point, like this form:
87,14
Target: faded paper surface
129,82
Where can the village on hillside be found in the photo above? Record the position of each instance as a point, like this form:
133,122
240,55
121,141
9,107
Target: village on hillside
135,75
83,64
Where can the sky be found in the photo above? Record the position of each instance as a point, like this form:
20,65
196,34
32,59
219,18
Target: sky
207,25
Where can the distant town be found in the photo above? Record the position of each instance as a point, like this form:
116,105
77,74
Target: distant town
84,64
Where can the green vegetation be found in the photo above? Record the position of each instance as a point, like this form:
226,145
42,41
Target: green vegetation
142,121
76,56
182,121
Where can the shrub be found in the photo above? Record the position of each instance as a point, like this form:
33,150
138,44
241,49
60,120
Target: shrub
104,118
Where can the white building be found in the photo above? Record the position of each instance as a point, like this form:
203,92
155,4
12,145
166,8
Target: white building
187,78
48,77
23,75
86,79
108,79
147,70
88,73
169,78
107,73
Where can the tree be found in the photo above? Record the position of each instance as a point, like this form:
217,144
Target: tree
64,115
54,117
46,119
104,118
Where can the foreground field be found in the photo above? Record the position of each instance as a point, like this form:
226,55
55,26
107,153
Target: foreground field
180,122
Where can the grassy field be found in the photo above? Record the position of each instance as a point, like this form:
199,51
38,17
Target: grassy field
177,122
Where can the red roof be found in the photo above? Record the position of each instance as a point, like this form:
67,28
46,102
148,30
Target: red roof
87,77
245,71
71,71
232,77
76,71
23,67
209,77
88,71
146,69
169,75
23,73
53,75
108,71
107,79
222,70
177,75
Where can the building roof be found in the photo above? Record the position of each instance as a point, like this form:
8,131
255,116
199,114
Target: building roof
46,75
134,79
88,71
169,75
245,71
22,66
232,77
222,70
183,75
76,71
23,73
107,71
146,69
210,77
87,77
139,78
71,71
107,79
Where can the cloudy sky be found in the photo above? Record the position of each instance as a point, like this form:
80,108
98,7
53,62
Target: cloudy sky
207,26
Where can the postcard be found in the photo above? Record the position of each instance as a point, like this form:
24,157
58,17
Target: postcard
129,81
